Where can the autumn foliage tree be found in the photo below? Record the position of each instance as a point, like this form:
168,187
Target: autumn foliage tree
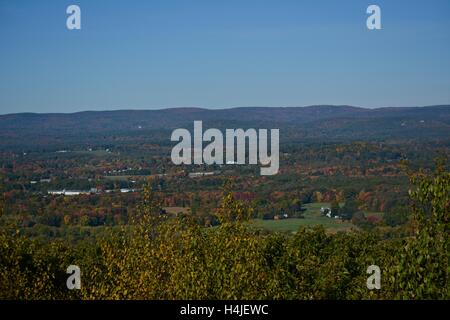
157,256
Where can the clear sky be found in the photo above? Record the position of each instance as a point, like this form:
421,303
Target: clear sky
222,53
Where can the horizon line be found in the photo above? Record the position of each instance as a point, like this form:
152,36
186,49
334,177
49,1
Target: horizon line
226,108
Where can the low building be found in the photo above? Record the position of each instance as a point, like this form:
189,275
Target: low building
68,192
200,174
55,192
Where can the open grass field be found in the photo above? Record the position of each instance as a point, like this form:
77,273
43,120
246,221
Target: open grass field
176,210
312,218
120,178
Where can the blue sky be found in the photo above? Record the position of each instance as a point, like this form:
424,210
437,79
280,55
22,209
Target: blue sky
222,53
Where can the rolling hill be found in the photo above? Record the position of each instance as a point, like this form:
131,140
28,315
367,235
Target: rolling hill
27,130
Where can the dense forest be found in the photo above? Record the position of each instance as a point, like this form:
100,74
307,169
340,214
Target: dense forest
157,256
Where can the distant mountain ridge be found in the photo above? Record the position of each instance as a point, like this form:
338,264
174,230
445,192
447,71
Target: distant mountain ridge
324,121
163,118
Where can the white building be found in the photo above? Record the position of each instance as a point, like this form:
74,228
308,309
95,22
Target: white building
200,174
67,192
